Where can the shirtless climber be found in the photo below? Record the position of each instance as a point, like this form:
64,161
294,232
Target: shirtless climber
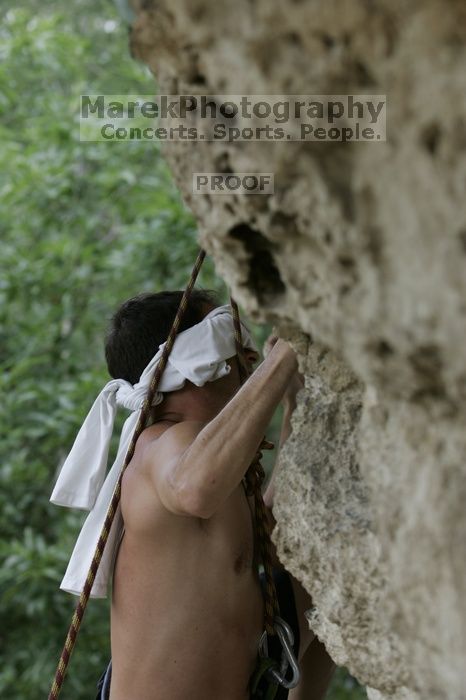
187,607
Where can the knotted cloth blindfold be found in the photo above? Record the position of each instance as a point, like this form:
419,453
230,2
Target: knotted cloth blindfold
199,355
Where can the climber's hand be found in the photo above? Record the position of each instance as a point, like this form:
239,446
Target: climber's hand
297,381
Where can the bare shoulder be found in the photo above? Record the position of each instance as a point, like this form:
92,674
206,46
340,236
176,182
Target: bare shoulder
161,451
168,436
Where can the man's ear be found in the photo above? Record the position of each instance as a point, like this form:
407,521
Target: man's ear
252,355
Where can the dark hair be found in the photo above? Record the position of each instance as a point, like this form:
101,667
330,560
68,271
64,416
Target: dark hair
143,323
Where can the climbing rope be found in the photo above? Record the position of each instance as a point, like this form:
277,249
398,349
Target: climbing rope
254,478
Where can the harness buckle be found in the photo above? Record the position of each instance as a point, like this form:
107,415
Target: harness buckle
288,660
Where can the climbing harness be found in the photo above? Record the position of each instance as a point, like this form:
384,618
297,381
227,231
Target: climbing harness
273,624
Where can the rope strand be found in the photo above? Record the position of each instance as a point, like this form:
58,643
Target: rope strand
254,478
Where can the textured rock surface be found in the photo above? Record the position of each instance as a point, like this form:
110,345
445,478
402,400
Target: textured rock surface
362,247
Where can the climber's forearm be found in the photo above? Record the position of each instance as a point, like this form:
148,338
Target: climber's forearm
317,670
288,407
216,461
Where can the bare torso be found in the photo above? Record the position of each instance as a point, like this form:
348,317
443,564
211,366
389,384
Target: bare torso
187,607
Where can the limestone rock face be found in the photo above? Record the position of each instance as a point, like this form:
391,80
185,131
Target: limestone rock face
362,249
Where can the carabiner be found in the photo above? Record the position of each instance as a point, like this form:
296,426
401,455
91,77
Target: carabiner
288,660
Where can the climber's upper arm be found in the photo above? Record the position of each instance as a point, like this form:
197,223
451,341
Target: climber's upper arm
162,458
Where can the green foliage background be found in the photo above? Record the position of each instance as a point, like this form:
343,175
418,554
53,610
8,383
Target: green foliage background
83,226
